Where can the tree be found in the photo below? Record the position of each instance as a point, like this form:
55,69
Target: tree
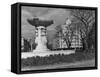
91,37
49,45
86,18
66,34
26,46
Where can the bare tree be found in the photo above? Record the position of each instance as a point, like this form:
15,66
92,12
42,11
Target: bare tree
86,18
67,36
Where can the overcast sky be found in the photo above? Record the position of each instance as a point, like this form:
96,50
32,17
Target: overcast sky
57,15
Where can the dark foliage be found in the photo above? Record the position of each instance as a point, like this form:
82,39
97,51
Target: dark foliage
34,46
27,46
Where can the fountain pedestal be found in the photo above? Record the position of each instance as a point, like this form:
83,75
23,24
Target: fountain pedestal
41,40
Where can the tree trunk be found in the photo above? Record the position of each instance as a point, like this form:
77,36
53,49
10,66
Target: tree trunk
68,43
86,44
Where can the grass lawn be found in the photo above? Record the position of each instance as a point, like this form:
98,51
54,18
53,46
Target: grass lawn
88,63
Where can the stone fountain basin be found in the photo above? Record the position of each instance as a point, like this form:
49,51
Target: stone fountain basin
46,53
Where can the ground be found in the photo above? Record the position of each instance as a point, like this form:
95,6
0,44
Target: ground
89,63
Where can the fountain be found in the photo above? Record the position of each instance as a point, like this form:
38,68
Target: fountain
40,31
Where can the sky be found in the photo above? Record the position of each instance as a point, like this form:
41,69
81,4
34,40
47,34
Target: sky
58,15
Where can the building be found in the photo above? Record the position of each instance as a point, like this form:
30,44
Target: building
76,41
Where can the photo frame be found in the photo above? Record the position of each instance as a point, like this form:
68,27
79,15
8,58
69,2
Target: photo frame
53,38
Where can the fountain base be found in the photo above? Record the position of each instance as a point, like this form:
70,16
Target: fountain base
46,53
41,48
